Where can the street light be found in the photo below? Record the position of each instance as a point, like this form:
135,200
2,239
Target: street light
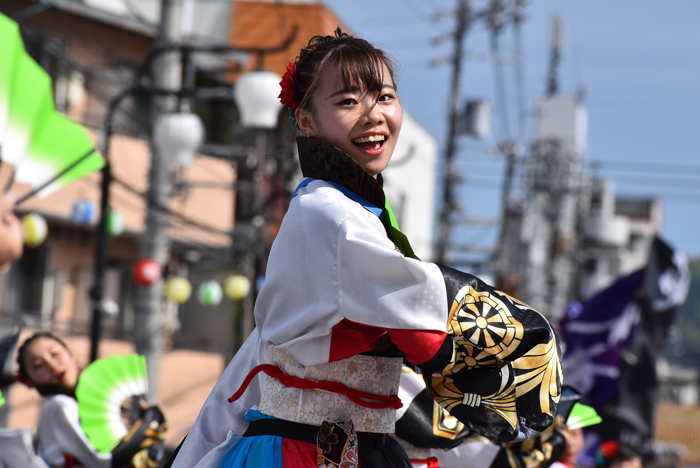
261,107
178,137
256,96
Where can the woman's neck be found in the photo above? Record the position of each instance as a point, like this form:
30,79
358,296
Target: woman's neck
321,160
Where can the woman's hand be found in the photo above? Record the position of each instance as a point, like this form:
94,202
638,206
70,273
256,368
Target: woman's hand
11,235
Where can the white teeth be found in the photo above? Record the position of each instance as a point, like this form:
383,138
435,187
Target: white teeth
369,138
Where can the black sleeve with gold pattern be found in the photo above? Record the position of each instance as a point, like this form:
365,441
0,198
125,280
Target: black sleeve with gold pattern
425,424
499,371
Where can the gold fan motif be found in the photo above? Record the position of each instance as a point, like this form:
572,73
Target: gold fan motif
486,334
485,321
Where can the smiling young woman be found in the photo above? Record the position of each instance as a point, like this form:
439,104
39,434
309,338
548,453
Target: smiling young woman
363,124
345,301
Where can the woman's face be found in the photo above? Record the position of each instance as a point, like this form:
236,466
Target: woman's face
355,121
11,236
635,462
50,363
574,444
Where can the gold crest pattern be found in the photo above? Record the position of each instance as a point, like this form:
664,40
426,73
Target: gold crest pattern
444,424
504,376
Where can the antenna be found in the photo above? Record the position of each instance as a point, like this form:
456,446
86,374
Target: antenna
555,45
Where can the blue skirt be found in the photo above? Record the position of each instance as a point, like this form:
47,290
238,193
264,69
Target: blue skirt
272,451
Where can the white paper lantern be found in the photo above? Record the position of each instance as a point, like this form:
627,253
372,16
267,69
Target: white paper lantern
177,137
256,94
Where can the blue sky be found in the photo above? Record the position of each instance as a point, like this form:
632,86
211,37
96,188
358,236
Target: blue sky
638,60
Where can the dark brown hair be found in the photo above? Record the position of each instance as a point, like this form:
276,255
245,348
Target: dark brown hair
358,64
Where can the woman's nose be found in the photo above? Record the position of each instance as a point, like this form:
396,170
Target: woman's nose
53,365
373,115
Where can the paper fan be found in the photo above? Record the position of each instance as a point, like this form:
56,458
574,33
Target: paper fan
582,416
47,149
9,56
2,399
62,147
102,388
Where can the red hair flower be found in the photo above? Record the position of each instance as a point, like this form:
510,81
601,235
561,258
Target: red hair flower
609,449
287,94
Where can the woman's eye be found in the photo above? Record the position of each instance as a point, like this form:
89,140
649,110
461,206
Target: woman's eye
386,97
347,102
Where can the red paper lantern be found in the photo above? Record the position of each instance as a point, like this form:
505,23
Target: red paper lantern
146,272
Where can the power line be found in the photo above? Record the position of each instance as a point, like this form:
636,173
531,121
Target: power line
656,182
136,208
638,166
413,7
165,209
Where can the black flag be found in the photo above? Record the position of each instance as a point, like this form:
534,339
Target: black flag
629,414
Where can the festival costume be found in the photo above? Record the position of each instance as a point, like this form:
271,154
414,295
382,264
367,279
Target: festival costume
61,440
344,301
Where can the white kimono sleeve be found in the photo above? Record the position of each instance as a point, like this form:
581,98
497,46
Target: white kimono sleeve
60,433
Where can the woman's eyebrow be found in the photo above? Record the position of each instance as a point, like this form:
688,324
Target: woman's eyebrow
357,90
345,91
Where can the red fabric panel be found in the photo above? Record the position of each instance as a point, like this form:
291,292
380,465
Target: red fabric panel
432,462
419,345
351,338
296,454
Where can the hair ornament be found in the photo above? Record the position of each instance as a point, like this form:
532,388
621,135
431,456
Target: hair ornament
606,451
287,84
292,119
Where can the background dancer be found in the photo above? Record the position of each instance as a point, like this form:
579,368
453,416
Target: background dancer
46,364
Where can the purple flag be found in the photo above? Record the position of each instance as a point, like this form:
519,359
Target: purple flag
595,333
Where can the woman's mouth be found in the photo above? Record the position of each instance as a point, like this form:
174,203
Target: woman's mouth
371,143
60,376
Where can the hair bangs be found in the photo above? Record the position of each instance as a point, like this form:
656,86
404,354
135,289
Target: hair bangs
362,69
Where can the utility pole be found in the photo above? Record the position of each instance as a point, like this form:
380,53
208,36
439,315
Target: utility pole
503,256
449,172
549,219
155,243
554,57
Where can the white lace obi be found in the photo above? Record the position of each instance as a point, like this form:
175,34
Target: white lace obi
371,374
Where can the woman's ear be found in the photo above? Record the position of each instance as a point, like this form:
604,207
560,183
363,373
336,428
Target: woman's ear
305,121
